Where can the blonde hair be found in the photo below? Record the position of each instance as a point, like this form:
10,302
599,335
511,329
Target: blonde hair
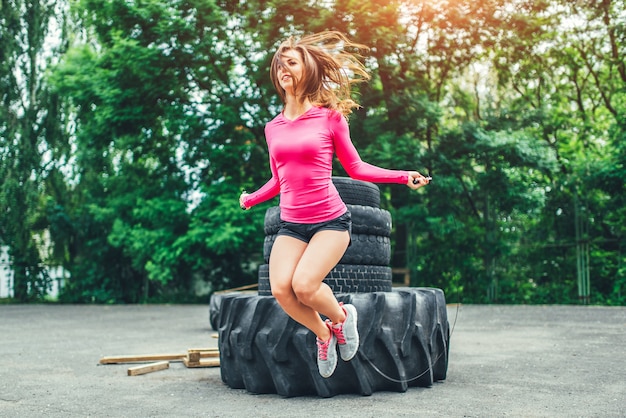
329,70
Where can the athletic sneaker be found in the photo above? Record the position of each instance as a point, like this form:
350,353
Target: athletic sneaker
347,333
327,353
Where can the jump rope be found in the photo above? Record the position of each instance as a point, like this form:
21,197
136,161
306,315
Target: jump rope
391,379
383,374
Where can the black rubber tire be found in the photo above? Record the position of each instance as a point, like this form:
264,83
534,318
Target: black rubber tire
215,303
369,220
343,278
271,225
365,220
357,192
440,333
365,249
262,350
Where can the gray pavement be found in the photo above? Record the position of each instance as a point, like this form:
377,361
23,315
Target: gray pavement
513,361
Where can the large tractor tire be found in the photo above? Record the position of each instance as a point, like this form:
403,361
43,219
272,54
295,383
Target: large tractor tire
404,339
215,304
440,335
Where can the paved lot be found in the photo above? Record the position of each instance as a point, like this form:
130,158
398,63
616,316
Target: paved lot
514,361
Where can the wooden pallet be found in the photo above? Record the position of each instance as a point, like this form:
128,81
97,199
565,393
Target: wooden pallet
201,357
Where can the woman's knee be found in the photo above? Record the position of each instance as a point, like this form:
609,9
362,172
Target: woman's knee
305,290
283,294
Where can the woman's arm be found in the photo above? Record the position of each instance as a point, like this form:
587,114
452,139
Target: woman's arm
359,169
351,160
268,191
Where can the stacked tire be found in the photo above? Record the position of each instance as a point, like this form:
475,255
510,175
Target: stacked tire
404,332
365,265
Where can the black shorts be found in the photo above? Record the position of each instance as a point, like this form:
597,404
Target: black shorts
304,232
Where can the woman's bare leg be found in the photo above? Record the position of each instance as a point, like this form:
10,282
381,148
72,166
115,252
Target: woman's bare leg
322,254
284,258
297,271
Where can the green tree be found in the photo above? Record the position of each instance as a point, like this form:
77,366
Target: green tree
516,108
158,128
555,84
31,135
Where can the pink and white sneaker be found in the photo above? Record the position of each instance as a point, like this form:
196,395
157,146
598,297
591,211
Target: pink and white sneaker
347,333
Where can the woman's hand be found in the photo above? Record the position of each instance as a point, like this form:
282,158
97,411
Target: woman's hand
416,180
243,194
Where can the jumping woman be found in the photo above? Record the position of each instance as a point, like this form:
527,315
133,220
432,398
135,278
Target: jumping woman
313,76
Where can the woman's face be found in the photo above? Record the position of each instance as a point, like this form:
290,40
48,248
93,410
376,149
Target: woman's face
291,68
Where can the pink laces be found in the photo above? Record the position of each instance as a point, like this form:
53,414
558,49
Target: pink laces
338,331
338,328
322,352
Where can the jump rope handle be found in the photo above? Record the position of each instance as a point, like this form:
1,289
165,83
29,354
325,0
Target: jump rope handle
415,181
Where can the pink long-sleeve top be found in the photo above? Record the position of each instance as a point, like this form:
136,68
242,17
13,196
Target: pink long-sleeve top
301,156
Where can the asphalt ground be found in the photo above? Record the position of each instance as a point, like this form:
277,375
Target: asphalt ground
505,361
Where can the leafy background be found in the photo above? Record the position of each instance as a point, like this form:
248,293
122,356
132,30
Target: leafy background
128,129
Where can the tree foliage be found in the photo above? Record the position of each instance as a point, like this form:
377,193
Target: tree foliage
30,137
130,141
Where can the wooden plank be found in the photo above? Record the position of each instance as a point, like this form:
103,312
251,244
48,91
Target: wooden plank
206,362
237,289
204,349
205,352
141,358
148,368
195,354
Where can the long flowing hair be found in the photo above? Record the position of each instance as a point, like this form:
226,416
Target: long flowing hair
331,66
